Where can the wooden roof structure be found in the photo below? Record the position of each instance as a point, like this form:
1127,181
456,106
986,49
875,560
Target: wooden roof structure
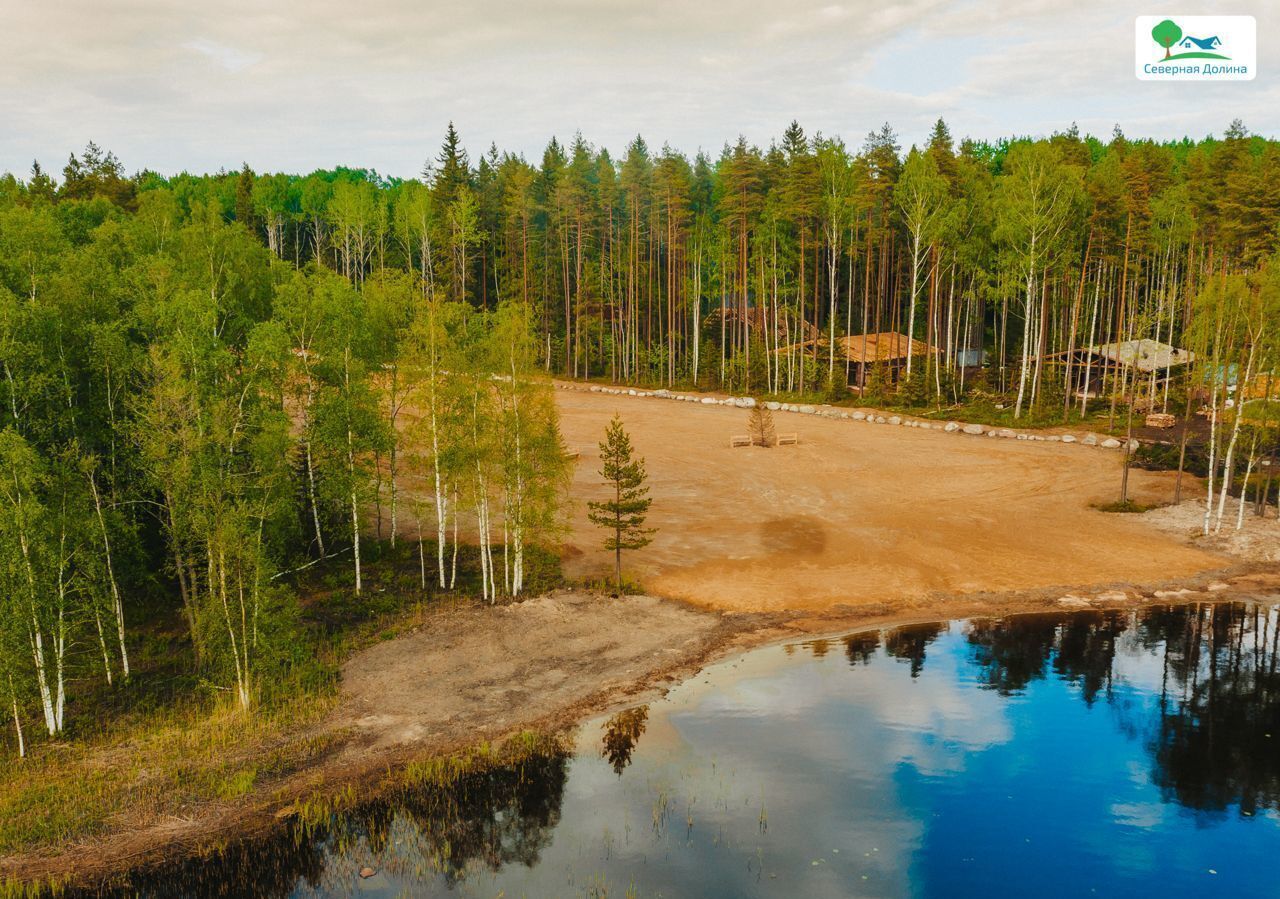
863,349
1146,355
755,319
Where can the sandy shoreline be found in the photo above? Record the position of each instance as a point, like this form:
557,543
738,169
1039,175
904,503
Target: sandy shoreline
574,688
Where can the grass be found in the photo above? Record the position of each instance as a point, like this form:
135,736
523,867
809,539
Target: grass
160,767
1128,507
169,741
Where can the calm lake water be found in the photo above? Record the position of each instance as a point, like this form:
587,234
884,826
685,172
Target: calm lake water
1111,754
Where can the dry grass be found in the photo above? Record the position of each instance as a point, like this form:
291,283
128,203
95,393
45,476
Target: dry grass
74,790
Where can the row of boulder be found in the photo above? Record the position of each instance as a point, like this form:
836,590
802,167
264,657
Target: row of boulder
951,427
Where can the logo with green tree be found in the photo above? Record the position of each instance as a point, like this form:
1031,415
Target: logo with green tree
1168,34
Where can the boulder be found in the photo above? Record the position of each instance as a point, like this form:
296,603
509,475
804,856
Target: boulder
708,401
895,420
773,406
1133,446
631,392
880,419
808,410
595,388
951,427
662,392
1053,438
1068,438
857,416
1090,440
1111,443
745,402
974,429
1008,433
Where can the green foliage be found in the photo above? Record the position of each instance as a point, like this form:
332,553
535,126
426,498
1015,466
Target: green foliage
1166,33
623,514
913,389
209,380
878,388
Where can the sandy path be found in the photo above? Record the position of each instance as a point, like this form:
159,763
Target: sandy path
861,513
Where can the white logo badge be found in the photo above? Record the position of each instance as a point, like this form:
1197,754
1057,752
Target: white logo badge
1195,48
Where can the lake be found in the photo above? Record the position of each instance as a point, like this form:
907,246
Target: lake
1086,753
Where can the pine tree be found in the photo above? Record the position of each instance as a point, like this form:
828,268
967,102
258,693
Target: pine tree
624,515
453,167
244,199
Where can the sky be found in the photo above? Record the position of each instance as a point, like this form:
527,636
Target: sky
286,85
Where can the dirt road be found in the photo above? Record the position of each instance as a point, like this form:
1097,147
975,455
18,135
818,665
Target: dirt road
861,513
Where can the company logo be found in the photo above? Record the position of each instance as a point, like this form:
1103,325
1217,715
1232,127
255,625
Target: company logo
1195,48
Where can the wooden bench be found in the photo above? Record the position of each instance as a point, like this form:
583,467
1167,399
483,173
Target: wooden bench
788,440
739,440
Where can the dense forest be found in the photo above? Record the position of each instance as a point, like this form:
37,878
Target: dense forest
212,380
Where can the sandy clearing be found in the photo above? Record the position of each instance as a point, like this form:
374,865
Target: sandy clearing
861,513
481,672
1258,540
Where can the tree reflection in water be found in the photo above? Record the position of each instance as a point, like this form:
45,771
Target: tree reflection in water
480,821
1196,685
910,642
1216,739
621,733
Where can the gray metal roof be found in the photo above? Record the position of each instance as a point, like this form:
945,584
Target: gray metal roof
1146,354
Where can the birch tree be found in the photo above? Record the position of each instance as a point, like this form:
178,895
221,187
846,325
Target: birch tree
919,195
1036,201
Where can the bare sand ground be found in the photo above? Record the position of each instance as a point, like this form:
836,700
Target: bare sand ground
1258,539
861,513
481,672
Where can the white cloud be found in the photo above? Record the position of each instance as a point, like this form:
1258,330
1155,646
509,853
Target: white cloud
291,85
230,58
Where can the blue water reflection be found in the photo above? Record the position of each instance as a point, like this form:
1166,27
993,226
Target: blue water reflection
1048,755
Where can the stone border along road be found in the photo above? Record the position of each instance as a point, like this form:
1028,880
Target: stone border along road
951,427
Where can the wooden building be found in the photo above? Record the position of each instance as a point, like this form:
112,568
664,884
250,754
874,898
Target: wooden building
1090,367
860,353
758,324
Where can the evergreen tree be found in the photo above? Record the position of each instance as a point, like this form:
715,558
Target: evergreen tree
624,515
244,199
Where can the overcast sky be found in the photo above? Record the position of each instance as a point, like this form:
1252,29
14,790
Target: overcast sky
293,86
